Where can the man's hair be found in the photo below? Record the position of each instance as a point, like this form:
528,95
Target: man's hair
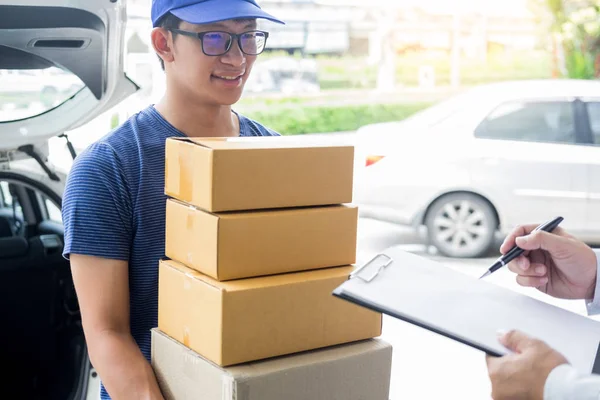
169,21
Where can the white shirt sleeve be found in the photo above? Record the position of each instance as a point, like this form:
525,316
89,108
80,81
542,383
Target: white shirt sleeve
565,382
593,305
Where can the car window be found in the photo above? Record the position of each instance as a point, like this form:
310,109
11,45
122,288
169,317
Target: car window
52,210
594,115
5,197
8,202
440,112
551,122
29,92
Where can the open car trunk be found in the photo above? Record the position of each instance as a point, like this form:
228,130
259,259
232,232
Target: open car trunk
61,65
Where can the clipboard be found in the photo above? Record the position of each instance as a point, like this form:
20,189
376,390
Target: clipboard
428,294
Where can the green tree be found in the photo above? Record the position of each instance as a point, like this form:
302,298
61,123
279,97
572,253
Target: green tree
576,25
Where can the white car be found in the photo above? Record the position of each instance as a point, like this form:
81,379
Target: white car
43,345
486,160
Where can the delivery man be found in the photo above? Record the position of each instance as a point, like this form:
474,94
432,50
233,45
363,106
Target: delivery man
114,202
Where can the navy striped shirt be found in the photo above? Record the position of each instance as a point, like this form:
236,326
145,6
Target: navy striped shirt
114,207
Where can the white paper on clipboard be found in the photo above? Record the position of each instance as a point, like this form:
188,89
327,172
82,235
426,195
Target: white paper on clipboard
430,295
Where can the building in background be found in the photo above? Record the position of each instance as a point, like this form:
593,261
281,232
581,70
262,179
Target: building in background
379,29
341,26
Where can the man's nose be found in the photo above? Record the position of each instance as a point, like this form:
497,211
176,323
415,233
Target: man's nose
234,56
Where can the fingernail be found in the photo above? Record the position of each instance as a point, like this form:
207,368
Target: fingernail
521,240
544,281
501,332
539,270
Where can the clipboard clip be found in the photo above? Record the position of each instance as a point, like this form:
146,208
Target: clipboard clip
372,268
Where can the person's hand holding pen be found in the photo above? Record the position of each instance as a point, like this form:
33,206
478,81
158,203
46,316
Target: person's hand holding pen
555,263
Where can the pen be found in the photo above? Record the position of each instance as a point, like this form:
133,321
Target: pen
517,251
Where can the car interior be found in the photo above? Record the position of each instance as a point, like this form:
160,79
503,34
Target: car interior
42,343
43,347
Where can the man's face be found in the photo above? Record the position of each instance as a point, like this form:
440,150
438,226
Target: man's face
216,79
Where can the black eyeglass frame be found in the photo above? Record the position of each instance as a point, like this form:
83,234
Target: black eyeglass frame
234,36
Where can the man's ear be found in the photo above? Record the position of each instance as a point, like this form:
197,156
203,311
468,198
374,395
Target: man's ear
163,44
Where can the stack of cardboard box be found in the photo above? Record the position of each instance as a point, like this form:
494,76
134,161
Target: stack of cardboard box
258,236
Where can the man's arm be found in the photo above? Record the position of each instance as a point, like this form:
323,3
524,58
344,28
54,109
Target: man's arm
98,219
564,382
102,287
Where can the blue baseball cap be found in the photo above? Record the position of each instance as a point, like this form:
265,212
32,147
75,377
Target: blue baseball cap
208,11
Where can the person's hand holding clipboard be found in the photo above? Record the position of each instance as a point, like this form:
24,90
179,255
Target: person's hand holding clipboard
472,311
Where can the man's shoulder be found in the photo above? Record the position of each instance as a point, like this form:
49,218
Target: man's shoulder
106,154
98,178
127,134
117,144
96,156
255,128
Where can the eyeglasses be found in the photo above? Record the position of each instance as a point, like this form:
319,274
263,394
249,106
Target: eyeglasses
217,43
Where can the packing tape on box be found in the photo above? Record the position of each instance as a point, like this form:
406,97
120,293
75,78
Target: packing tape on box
187,283
186,172
189,220
173,172
228,388
189,226
190,370
190,362
186,336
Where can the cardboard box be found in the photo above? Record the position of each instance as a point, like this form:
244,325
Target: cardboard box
246,244
229,174
357,371
252,319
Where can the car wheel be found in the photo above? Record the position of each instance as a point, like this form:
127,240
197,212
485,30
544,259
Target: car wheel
461,225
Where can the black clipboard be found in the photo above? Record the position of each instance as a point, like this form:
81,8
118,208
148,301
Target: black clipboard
400,284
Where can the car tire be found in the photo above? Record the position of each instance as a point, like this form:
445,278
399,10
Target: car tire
461,225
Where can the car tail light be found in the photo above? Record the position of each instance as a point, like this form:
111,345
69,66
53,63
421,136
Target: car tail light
373,159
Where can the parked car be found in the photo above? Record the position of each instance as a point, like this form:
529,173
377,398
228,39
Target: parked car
486,160
42,343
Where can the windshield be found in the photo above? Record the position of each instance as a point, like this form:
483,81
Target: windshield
438,113
30,92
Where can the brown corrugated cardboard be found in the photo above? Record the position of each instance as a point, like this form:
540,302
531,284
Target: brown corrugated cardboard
251,319
356,371
246,244
229,174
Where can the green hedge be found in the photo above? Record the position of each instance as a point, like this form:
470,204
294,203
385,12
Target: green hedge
349,72
301,120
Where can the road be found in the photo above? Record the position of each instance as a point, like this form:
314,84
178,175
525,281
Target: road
426,365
